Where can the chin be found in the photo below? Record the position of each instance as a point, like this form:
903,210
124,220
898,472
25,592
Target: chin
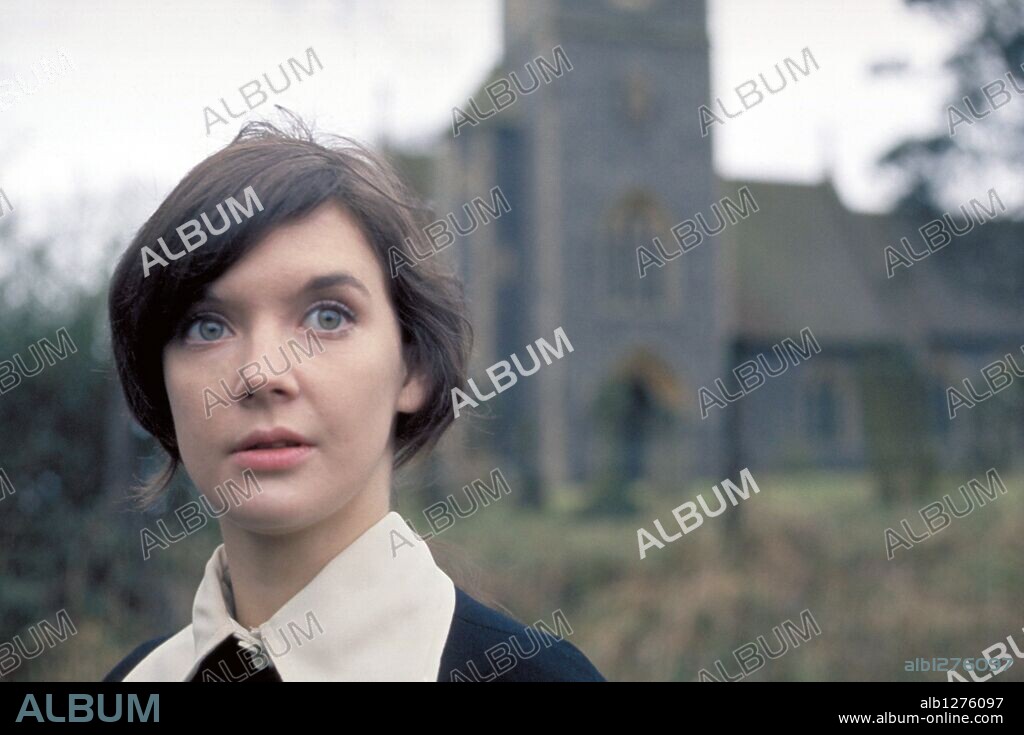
271,519
285,505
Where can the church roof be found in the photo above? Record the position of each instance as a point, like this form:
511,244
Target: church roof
805,260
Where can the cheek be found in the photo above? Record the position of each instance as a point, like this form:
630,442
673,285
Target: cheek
184,385
358,391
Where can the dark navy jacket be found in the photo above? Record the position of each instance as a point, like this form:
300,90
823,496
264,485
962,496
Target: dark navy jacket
482,645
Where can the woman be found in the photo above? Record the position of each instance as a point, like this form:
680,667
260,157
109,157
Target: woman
269,331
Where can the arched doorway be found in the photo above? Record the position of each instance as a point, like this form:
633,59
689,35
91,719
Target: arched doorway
640,399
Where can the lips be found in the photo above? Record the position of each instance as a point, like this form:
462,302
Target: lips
270,450
276,438
274,445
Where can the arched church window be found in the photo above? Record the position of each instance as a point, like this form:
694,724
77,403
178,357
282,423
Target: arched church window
634,221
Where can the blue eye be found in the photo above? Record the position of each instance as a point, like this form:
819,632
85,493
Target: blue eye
209,329
330,316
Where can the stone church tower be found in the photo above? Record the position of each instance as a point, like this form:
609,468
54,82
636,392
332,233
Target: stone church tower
594,161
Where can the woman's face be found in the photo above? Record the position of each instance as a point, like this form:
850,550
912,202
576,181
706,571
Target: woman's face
341,400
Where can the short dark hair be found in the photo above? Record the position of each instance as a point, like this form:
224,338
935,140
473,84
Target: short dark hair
292,172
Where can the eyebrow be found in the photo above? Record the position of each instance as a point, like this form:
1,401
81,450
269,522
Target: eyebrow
317,283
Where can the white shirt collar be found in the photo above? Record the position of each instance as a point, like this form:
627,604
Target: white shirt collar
380,610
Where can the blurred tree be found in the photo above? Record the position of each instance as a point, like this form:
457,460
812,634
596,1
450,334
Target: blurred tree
69,450
897,424
964,158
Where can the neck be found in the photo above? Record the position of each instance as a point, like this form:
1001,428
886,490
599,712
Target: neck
268,570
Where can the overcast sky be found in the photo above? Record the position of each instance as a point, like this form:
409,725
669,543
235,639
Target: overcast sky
129,118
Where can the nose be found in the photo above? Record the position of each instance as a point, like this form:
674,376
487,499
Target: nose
269,368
